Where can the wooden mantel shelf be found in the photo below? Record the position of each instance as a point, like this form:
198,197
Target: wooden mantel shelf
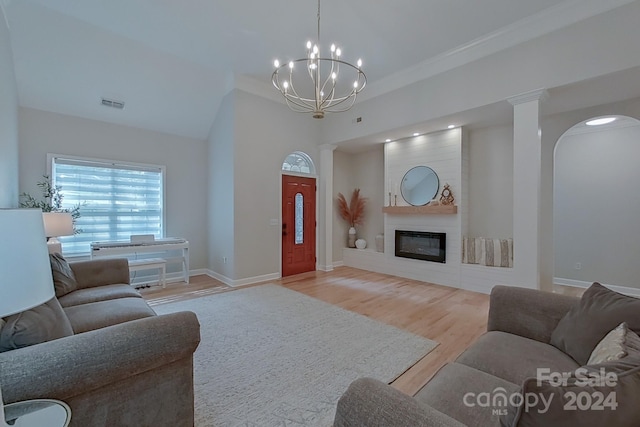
421,210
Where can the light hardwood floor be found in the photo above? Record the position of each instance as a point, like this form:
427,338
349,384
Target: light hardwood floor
452,317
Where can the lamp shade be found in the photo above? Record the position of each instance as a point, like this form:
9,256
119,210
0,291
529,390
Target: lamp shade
25,271
57,224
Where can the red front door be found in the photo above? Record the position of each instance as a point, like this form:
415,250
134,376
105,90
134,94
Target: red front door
298,225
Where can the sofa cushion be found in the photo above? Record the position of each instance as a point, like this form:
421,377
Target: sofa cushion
598,312
99,293
100,314
64,280
43,323
615,345
514,358
458,391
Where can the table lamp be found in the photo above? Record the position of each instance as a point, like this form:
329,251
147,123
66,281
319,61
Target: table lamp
24,266
57,224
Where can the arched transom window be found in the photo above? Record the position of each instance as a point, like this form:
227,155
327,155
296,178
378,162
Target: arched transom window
299,162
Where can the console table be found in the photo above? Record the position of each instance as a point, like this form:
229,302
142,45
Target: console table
124,247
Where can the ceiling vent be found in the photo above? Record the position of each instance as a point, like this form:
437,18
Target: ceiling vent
113,103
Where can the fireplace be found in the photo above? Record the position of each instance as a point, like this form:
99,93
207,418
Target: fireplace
421,245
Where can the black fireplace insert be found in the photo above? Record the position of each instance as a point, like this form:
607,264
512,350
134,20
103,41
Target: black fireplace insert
421,245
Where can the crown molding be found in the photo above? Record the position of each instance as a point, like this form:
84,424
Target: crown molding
533,95
548,20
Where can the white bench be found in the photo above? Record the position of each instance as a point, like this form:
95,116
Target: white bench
149,264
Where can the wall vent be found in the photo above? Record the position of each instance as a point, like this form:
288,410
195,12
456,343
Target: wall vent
112,103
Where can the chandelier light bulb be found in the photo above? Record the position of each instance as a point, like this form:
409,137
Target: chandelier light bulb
285,85
334,75
291,64
315,49
359,63
309,44
338,52
276,63
355,84
312,55
313,66
333,47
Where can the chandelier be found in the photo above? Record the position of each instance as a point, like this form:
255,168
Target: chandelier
316,84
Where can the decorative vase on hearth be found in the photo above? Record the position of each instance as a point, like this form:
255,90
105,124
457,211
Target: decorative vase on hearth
351,242
361,243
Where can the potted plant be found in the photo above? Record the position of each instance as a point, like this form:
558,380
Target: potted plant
51,200
353,213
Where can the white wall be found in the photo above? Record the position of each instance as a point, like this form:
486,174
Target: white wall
220,200
490,181
185,160
595,206
8,121
343,182
249,141
368,172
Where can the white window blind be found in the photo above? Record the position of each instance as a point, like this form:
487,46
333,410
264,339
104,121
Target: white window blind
117,200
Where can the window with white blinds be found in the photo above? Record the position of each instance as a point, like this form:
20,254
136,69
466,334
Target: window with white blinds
116,199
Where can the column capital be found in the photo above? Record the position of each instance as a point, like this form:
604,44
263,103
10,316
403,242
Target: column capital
533,95
327,147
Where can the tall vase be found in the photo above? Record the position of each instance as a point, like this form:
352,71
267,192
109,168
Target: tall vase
351,242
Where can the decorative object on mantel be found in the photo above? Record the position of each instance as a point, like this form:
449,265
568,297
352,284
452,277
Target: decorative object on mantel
419,185
380,243
353,213
446,197
330,92
361,243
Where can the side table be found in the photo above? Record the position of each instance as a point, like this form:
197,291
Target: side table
38,413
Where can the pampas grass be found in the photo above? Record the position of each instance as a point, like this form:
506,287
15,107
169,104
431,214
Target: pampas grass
353,212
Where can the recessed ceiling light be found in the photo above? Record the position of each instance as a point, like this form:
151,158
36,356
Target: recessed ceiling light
600,121
387,140
416,134
451,126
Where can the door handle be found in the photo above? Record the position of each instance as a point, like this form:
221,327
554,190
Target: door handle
284,229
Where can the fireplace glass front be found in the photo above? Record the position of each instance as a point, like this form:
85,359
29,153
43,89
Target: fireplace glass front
421,245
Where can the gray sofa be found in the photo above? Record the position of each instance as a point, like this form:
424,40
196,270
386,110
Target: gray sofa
522,325
121,366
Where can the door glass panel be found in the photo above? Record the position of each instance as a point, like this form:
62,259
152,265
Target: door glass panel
299,219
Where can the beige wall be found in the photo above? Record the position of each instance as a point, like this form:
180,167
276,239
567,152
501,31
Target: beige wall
185,160
8,122
490,181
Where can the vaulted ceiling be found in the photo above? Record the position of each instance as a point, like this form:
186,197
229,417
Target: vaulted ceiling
172,61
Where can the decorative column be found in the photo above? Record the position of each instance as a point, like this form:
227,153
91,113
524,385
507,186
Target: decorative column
325,233
527,163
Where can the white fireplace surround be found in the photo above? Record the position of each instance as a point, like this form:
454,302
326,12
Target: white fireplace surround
444,152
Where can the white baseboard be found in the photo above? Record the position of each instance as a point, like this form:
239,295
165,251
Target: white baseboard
582,284
337,264
242,282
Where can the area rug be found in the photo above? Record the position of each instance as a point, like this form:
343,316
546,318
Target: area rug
270,356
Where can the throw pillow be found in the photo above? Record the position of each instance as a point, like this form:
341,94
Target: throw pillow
45,322
63,278
615,345
598,312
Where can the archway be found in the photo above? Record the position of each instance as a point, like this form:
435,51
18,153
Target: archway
595,204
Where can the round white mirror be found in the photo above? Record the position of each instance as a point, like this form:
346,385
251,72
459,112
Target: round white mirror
419,185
